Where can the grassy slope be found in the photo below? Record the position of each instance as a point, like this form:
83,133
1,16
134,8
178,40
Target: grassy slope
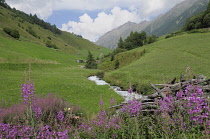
66,42
51,70
166,59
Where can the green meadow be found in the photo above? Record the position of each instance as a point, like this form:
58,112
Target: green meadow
51,71
163,61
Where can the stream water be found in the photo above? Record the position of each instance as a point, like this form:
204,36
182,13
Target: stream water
125,94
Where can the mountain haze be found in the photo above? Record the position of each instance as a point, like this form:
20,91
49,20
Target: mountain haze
164,24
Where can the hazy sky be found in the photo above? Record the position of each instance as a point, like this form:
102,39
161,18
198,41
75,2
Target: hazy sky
93,18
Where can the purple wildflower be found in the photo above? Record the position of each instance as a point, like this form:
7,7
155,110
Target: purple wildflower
60,116
112,101
28,92
101,102
133,108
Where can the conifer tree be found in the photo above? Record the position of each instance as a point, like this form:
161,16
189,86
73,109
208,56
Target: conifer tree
121,43
90,63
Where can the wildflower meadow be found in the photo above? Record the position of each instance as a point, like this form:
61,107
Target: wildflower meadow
185,115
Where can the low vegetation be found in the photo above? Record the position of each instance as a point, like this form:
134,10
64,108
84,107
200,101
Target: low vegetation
50,45
12,32
185,115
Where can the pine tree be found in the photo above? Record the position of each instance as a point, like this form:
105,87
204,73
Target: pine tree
91,63
121,43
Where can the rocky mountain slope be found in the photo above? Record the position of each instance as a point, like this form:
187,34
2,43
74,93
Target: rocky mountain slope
171,21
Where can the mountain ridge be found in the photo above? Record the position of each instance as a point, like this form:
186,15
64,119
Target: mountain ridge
176,16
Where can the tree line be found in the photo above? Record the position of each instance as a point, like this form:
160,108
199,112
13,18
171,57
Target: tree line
134,40
33,19
201,20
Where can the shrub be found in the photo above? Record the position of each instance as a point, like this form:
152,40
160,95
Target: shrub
50,45
100,74
32,32
12,32
169,36
117,64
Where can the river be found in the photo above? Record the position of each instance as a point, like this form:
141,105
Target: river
125,94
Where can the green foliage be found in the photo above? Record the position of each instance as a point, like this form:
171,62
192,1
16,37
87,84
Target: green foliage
12,32
206,20
100,74
112,58
195,22
4,4
135,40
117,64
203,30
208,9
121,43
145,89
32,32
90,63
201,20
169,36
151,39
50,45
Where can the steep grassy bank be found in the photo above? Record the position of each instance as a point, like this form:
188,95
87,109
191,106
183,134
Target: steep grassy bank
164,60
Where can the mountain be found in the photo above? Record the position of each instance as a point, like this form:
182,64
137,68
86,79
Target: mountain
164,24
111,38
174,19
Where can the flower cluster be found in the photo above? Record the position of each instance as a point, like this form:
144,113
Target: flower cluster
60,116
28,92
133,108
23,131
188,109
29,99
100,125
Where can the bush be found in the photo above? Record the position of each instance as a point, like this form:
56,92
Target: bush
32,32
169,36
50,45
12,32
145,89
100,74
198,31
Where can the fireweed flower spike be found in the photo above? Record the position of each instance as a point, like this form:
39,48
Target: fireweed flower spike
28,96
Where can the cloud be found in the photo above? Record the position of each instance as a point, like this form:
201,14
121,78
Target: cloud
44,8
92,29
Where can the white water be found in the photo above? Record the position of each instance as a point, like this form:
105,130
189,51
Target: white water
125,94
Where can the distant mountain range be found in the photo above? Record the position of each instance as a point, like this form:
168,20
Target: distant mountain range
164,24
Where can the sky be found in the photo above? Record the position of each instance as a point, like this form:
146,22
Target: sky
93,18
